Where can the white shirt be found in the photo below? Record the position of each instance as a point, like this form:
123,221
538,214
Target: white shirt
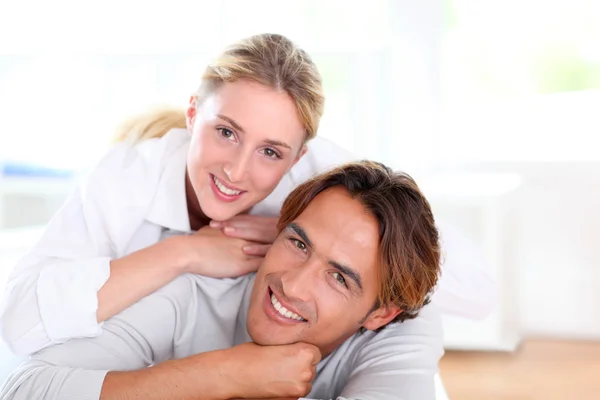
194,314
126,204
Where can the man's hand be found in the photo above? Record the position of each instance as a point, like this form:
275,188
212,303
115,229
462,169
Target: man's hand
270,372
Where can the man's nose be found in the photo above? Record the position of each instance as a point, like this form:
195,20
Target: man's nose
298,282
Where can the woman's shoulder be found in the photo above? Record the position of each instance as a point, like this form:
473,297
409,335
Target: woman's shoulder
128,175
322,155
145,156
140,164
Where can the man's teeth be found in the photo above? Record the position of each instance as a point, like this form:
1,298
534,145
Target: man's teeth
284,311
225,190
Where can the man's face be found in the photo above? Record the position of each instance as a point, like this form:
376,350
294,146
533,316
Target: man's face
318,282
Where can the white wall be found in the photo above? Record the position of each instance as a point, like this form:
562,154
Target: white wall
557,247
556,244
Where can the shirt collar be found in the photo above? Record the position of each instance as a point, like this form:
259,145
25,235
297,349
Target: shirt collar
169,205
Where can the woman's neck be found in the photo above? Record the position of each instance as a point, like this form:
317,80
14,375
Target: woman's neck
197,217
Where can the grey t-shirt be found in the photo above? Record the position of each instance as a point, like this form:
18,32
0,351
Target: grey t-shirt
195,314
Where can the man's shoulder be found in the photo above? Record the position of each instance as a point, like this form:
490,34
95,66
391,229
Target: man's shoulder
402,356
410,343
180,289
187,288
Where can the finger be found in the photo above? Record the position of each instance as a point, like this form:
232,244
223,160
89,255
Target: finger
316,354
250,234
313,371
237,221
249,221
217,224
251,265
258,250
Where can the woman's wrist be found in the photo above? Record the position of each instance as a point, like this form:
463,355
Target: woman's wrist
179,249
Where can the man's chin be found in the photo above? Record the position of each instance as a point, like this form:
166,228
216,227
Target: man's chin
271,336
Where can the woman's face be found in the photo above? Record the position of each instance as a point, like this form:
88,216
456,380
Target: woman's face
245,137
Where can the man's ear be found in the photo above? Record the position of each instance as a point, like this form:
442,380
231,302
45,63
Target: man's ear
190,114
301,153
381,317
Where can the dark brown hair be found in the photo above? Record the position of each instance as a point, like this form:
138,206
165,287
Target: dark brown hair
408,239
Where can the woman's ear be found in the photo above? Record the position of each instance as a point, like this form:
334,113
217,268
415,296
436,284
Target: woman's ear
381,317
301,153
190,114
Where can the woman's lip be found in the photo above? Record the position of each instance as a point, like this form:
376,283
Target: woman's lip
222,196
225,184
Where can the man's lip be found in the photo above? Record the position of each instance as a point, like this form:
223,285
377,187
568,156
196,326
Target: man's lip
228,186
285,304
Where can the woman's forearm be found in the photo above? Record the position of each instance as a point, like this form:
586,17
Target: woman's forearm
139,274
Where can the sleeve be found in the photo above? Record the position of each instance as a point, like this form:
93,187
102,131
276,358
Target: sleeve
400,362
51,295
131,340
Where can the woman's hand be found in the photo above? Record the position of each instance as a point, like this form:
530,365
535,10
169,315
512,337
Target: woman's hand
260,230
212,253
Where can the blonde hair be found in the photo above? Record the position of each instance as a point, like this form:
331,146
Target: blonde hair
153,124
268,59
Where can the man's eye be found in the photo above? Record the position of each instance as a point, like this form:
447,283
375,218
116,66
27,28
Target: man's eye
300,245
226,133
340,278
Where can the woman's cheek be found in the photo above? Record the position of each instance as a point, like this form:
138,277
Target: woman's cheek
270,178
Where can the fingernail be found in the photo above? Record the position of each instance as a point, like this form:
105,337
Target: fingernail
215,224
228,229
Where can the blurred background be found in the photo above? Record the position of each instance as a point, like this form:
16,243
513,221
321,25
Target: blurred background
492,105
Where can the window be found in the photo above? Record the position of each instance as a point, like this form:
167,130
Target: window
65,87
520,80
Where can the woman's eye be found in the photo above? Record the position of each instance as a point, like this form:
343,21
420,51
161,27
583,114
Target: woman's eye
340,278
226,133
270,153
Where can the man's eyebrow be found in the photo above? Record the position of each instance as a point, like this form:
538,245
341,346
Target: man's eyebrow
232,122
349,272
344,269
300,232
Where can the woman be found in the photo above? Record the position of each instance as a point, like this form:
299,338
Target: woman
143,215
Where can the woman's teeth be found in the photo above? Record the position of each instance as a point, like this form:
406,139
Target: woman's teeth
283,311
225,190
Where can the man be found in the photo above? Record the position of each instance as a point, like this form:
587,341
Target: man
332,312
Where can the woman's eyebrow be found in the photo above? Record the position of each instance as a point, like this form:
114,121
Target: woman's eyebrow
277,143
239,128
232,122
